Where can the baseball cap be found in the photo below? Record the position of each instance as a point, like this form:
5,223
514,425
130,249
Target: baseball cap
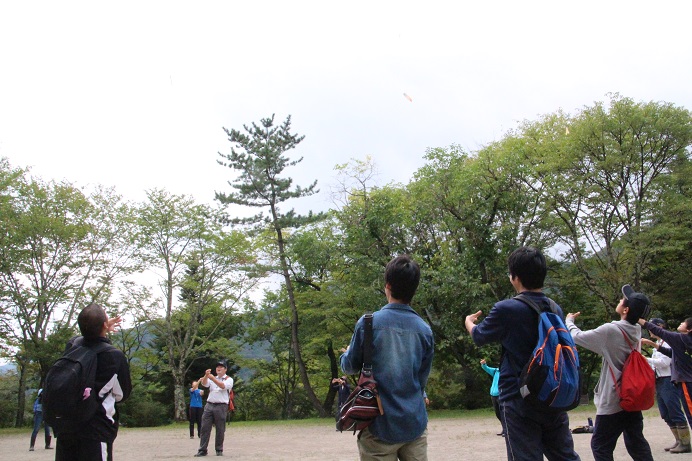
637,303
222,363
658,322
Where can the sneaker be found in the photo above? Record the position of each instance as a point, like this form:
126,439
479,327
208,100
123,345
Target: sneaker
219,453
31,448
192,436
200,453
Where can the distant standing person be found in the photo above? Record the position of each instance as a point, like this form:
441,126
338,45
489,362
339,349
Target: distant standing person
669,405
608,341
343,391
403,348
494,392
195,412
113,384
680,349
216,409
529,433
38,418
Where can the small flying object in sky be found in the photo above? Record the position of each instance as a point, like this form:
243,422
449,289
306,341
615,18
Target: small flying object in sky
408,97
566,130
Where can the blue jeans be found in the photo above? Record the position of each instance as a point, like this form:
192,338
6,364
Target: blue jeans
608,429
38,419
668,401
530,434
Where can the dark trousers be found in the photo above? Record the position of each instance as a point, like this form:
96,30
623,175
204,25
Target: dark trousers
608,429
498,413
214,414
71,448
195,415
668,401
530,434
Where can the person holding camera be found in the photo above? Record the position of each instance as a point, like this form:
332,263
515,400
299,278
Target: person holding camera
343,391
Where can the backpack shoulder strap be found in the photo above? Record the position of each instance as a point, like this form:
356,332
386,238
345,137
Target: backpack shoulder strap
367,342
627,340
610,367
531,303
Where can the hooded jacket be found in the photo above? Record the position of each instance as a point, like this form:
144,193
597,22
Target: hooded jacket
608,342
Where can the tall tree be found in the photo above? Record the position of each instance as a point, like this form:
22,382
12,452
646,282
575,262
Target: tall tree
603,181
177,235
258,155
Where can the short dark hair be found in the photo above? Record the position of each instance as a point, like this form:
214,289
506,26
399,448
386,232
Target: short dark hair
403,275
688,321
91,320
529,265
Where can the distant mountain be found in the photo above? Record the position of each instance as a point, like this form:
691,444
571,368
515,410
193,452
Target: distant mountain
7,368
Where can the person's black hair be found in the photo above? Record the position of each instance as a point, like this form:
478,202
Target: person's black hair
403,275
529,265
91,320
688,321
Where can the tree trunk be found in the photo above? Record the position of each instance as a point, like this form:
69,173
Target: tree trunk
21,395
295,342
179,406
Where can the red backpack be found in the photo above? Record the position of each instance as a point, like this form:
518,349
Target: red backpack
637,385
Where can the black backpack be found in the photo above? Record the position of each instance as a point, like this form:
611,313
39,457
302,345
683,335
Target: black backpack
69,397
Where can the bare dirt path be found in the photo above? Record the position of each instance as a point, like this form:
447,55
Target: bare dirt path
469,438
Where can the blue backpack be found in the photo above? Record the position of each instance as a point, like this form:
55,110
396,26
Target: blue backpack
550,381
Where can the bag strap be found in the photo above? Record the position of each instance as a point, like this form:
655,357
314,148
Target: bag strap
367,343
629,343
527,300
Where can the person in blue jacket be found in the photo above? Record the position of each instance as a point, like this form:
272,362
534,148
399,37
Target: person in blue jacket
38,419
196,408
494,391
403,348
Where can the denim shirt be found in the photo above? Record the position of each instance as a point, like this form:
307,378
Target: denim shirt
402,359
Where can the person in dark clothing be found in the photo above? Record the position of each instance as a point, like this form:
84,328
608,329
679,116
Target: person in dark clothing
94,440
38,419
529,433
343,390
680,349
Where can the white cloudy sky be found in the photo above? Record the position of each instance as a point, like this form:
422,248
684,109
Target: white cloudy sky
135,94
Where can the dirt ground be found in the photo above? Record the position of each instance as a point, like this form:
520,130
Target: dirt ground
448,439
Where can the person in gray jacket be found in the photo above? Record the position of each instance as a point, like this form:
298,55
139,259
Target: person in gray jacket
608,341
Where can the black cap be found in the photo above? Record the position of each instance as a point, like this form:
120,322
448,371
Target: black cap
222,363
637,303
658,322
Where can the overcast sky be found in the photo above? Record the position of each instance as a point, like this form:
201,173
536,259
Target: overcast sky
135,94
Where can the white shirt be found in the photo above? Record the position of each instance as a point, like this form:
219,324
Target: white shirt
659,362
217,394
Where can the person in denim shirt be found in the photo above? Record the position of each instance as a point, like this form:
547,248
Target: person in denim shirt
529,433
401,362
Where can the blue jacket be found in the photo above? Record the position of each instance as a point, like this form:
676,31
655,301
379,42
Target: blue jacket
401,363
195,398
494,372
514,325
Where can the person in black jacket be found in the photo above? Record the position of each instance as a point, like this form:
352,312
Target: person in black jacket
94,441
343,391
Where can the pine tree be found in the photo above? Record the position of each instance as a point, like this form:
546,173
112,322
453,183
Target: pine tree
258,155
